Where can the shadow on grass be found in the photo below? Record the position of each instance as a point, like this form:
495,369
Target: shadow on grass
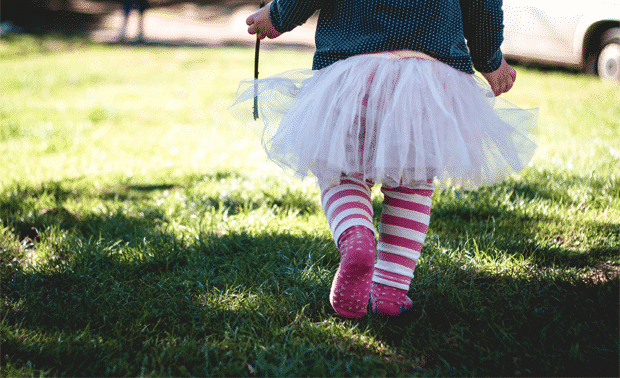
123,293
198,307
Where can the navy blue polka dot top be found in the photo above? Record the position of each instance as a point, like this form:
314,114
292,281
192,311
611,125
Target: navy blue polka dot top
461,33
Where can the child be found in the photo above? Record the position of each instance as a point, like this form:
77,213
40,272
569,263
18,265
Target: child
391,99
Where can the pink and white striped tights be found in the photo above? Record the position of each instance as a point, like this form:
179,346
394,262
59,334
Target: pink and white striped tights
403,227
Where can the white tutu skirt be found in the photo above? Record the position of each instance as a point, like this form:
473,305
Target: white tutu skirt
392,121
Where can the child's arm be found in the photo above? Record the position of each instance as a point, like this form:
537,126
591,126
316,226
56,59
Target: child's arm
280,16
502,79
484,31
483,28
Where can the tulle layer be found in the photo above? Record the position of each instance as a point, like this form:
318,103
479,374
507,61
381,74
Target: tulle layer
393,121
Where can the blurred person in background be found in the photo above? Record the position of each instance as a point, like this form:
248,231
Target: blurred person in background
128,5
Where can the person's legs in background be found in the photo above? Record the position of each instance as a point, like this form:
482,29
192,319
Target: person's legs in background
142,7
128,5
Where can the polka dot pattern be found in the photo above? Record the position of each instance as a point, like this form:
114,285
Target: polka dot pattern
461,33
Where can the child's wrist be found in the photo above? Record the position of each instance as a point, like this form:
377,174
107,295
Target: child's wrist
490,65
274,17
280,23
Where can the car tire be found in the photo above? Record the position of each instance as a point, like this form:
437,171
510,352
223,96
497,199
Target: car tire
608,65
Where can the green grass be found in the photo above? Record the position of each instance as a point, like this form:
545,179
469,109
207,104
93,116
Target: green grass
143,234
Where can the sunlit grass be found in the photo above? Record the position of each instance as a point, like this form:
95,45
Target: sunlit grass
144,234
579,127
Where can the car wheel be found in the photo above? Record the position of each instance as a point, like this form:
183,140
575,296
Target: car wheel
609,57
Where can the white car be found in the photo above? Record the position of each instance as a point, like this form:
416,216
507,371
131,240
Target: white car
577,34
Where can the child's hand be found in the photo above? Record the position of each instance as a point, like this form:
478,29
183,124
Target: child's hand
502,79
260,24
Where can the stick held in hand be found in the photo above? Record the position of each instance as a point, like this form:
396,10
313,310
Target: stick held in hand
256,53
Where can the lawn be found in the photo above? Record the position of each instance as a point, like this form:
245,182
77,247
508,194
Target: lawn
143,233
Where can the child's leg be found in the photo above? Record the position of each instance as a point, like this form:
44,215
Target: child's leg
404,223
348,208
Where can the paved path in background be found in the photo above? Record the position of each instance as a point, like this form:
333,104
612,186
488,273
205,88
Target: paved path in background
161,27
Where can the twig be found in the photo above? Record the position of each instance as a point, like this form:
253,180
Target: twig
256,51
